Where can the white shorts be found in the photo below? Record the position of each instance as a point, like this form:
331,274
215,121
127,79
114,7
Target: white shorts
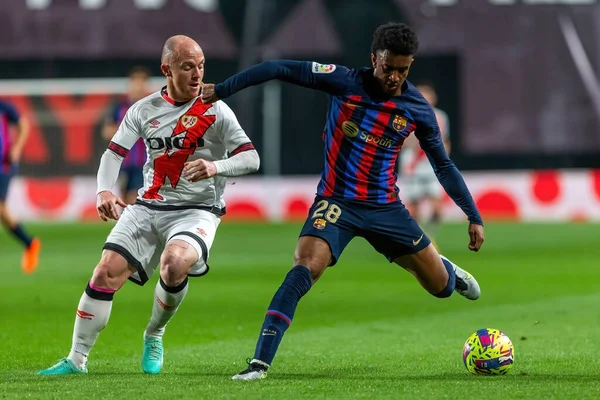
420,186
141,234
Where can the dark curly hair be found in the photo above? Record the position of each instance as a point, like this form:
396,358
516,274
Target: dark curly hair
398,38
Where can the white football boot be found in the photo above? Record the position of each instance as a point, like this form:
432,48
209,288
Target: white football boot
466,285
256,370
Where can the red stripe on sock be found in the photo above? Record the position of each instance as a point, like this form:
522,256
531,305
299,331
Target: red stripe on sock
280,315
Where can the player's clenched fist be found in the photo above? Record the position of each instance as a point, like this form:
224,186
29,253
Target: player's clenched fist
197,170
106,205
476,237
208,94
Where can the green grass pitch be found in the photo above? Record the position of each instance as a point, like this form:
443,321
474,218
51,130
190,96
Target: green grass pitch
366,330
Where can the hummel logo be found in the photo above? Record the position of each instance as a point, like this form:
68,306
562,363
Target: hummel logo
269,332
154,123
416,242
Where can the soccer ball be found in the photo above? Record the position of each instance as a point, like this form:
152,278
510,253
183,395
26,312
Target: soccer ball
488,352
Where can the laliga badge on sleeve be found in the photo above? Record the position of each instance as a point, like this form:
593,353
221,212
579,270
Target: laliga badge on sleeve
322,68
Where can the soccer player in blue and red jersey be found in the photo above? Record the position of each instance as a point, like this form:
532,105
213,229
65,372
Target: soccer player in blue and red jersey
14,130
132,167
372,111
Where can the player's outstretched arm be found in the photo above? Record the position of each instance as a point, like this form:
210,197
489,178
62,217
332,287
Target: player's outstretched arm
452,181
240,164
243,158
329,78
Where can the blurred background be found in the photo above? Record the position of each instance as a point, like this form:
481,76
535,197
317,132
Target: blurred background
518,97
517,79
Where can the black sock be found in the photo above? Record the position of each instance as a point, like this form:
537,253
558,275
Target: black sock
281,312
20,234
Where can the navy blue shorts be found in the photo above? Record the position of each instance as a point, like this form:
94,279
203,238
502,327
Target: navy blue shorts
134,178
6,174
389,228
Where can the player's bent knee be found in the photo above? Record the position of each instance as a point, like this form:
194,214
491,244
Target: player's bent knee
316,270
172,270
313,253
111,272
316,266
176,260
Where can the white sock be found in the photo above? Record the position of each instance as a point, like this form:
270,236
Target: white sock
166,302
92,317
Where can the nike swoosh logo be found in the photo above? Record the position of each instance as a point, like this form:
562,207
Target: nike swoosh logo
416,242
269,334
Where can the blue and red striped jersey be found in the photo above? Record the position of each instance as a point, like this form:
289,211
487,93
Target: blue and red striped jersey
363,137
8,116
137,155
365,130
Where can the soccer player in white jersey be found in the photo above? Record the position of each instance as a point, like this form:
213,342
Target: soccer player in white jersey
421,184
192,147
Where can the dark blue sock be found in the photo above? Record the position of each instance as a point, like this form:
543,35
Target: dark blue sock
20,234
449,289
281,312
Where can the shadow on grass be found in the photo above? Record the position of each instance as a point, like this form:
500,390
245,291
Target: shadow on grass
337,374
446,377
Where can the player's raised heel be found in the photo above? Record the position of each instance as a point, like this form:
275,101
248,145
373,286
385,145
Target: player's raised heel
466,285
63,367
152,359
256,371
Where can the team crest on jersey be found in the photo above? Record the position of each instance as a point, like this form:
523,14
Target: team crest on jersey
322,68
400,123
185,139
320,223
189,121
